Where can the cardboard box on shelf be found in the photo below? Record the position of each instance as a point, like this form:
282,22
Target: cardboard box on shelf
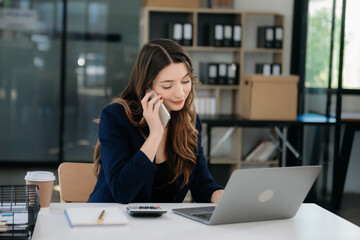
172,3
269,97
221,3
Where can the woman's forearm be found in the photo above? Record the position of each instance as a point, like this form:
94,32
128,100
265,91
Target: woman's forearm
215,197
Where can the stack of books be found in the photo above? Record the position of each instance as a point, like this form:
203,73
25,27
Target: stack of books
264,151
205,105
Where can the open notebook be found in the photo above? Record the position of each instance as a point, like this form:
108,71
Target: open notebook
88,216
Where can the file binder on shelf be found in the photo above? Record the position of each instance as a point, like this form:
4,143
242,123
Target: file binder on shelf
232,74
236,35
222,74
176,32
278,42
219,73
216,35
265,37
276,69
187,34
268,68
228,35
208,73
212,73
204,73
263,68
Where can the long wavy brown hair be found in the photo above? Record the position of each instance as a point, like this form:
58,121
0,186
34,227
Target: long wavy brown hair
181,142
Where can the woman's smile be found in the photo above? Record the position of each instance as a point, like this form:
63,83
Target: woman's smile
178,102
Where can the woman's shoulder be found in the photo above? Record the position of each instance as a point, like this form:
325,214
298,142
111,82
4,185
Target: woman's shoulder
114,108
114,112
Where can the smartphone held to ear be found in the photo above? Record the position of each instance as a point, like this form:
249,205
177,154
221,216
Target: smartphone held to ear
163,112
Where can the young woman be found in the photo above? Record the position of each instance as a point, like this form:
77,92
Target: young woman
136,158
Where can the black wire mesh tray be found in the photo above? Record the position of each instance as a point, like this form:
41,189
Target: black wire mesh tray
19,207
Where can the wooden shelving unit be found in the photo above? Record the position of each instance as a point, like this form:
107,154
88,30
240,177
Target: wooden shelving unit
154,22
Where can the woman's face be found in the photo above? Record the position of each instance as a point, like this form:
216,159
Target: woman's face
173,83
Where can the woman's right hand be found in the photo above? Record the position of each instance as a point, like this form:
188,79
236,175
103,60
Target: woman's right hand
151,113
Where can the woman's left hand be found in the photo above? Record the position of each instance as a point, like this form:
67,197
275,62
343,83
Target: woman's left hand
215,197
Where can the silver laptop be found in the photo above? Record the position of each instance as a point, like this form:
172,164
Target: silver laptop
258,195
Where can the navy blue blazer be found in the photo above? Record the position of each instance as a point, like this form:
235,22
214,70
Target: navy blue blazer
127,174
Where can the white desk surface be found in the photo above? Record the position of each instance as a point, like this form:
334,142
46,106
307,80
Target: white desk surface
311,222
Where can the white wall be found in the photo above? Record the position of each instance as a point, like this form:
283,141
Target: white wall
285,7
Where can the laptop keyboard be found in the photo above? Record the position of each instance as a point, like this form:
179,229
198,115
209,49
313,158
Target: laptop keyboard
205,216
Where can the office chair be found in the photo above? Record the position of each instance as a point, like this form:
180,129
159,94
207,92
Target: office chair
76,180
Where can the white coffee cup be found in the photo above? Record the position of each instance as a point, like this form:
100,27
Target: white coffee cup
45,181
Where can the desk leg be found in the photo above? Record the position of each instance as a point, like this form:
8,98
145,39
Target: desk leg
341,164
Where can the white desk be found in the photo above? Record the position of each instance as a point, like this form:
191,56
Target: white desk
311,222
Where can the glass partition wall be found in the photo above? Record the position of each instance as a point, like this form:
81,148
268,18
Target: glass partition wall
29,80
56,75
331,87
321,69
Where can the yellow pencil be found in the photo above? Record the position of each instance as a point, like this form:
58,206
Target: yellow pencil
101,217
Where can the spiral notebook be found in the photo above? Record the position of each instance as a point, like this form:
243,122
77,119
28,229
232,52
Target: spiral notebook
88,216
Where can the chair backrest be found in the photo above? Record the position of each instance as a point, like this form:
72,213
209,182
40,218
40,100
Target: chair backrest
76,180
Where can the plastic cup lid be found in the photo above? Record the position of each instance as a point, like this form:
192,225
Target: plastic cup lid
40,176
